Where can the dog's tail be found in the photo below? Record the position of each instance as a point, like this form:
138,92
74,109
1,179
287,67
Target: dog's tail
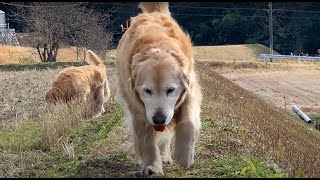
149,7
92,58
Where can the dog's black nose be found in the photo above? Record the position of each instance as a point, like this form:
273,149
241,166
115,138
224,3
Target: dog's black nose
159,118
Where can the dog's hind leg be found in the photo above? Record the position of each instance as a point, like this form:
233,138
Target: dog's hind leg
83,96
98,102
106,91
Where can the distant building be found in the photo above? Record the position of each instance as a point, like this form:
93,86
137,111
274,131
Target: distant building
7,35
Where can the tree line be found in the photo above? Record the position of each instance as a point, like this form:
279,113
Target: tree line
295,24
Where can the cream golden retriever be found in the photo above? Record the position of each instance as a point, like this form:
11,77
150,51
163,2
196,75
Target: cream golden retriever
159,88
81,82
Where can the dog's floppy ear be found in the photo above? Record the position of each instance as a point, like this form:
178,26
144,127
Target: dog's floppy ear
131,83
179,58
136,59
185,79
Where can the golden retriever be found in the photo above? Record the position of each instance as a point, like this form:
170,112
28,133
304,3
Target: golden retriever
80,82
159,88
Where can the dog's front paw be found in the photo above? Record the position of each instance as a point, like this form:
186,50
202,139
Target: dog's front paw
151,171
166,159
184,158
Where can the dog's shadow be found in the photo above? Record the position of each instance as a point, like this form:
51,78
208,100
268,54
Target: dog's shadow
114,165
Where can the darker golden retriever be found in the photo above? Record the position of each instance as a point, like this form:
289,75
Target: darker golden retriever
81,82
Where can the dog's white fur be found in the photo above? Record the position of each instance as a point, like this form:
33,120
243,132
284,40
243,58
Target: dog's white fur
80,82
155,68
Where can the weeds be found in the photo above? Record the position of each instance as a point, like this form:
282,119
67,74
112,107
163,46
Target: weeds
57,122
84,137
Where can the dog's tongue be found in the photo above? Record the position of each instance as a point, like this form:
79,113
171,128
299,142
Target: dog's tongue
159,127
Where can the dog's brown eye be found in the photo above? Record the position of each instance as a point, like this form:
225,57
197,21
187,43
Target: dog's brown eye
170,90
147,91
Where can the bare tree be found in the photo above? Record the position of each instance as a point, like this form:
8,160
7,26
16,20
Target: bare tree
57,24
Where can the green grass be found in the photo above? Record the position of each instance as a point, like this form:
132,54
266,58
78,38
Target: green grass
24,138
259,49
244,167
229,167
315,117
85,136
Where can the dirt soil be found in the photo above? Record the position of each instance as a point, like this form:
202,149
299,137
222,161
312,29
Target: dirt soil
291,87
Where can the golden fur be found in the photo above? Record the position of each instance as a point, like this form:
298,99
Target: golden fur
151,48
80,82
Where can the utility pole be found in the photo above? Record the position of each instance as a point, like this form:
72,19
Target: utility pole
270,29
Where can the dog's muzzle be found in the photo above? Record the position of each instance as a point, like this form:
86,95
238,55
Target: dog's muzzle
159,118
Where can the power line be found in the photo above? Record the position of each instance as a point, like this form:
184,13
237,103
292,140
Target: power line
19,5
188,7
215,15
218,8
292,10
207,15
116,4
186,14
201,7
256,9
